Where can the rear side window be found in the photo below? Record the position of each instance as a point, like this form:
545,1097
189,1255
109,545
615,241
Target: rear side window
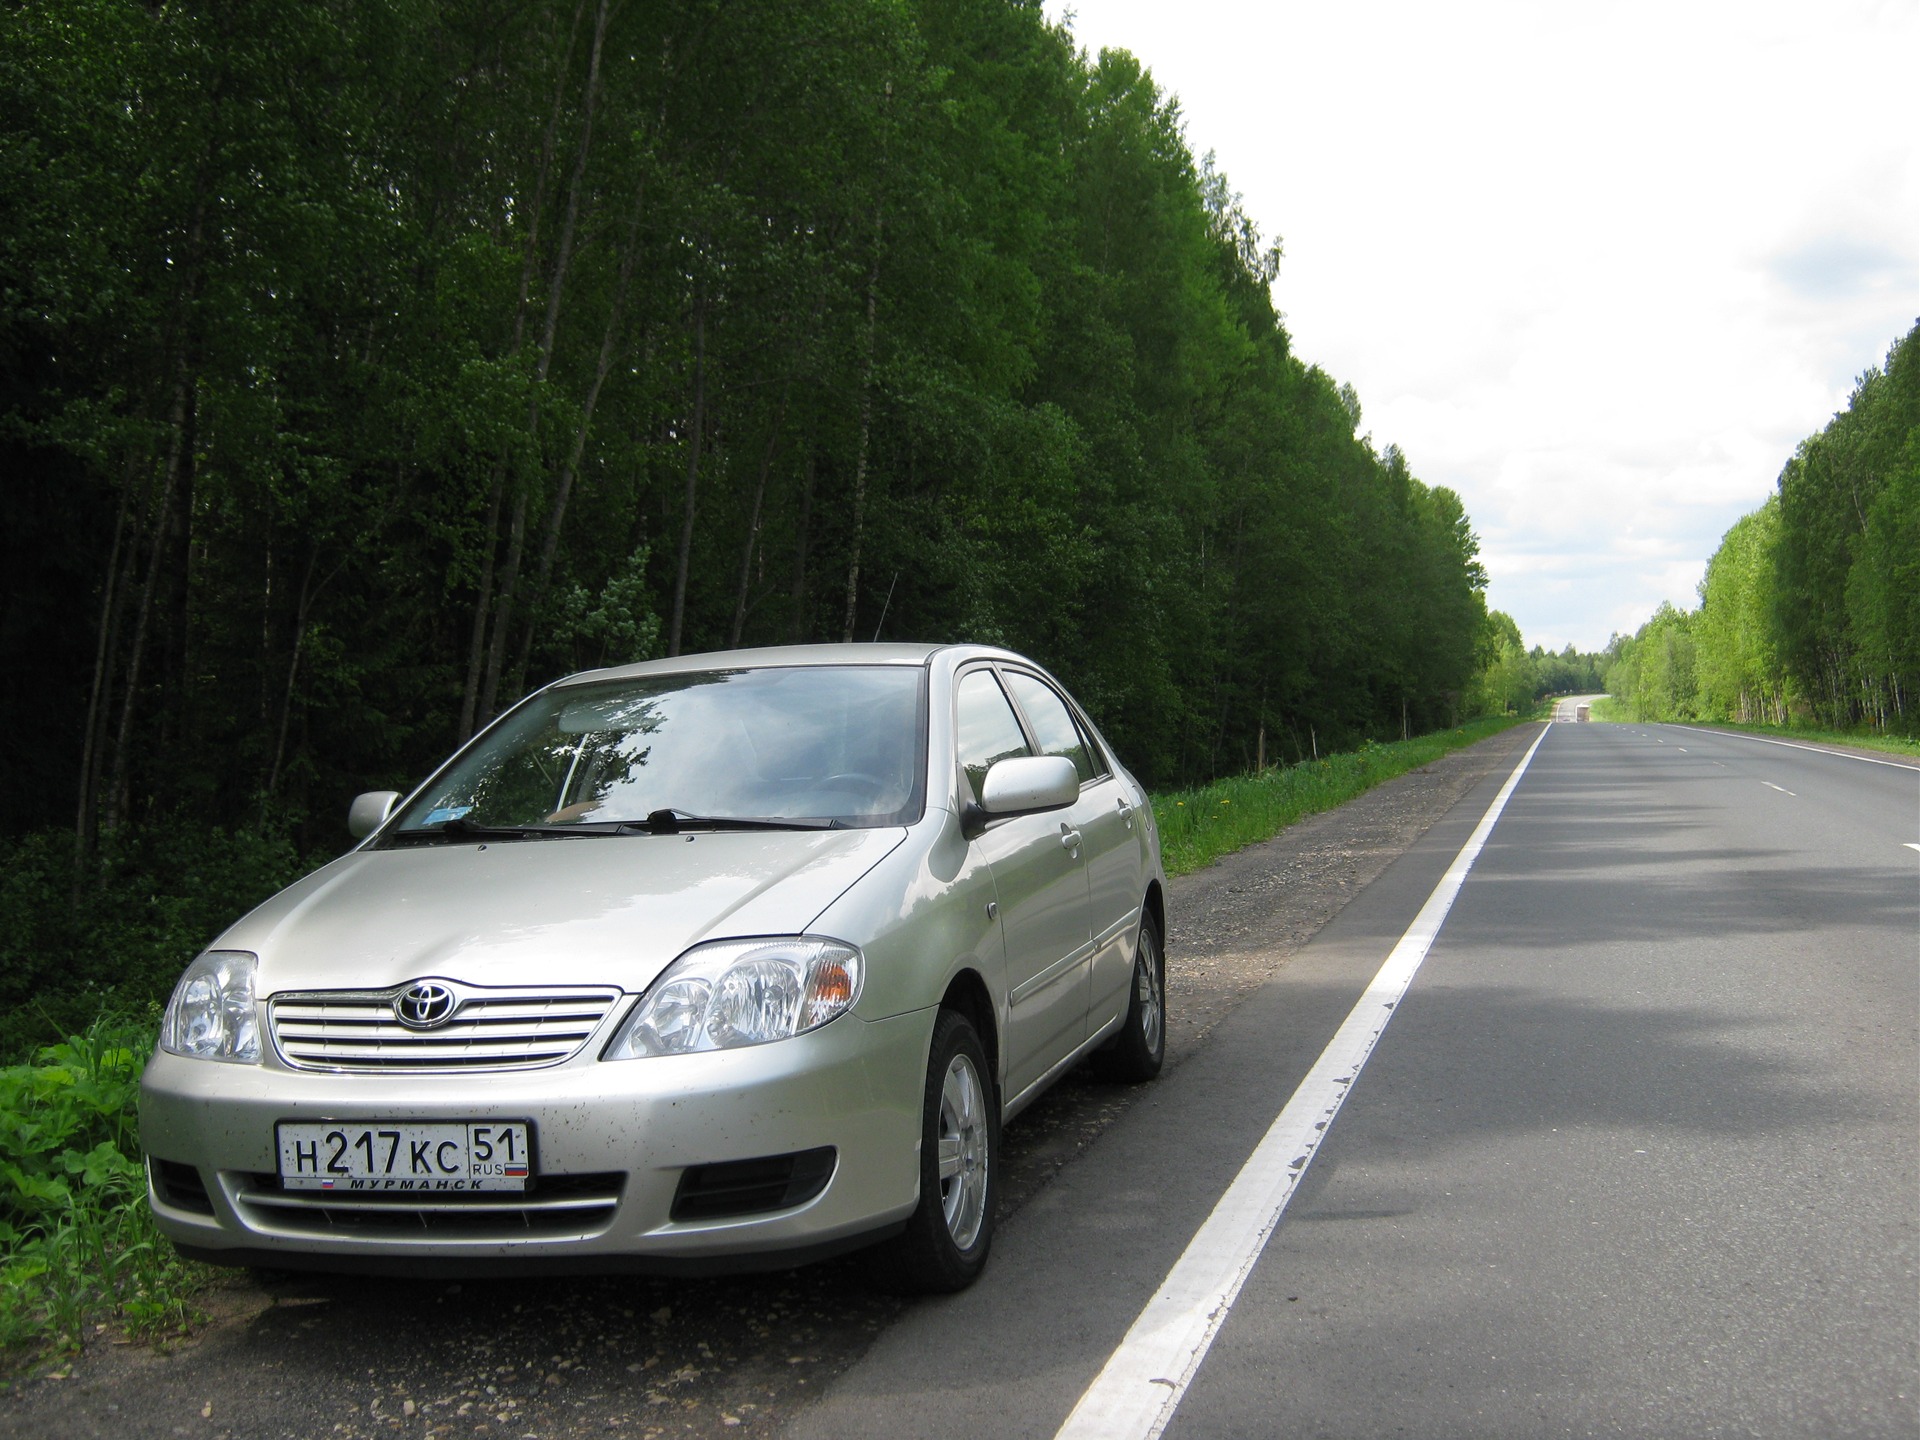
1052,722
986,727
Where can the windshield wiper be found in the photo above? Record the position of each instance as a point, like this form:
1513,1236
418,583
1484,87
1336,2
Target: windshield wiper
659,822
672,822
460,828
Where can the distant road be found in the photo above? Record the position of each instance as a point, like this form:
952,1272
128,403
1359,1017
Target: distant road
1569,708
1638,1154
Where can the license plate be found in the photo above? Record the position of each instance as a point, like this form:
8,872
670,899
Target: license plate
373,1155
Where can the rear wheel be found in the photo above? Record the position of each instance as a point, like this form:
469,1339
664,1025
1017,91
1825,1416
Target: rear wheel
1141,1045
947,1237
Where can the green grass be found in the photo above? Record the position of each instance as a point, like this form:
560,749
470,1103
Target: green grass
1908,745
1197,827
78,1248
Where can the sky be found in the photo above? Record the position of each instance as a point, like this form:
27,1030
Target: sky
1599,268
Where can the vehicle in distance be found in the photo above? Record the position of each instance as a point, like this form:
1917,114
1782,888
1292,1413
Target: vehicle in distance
727,961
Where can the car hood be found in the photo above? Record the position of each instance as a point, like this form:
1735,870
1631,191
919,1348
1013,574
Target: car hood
603,911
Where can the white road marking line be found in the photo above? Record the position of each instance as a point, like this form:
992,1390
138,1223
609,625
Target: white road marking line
1134,1397
1781,788
1816,749
1911,846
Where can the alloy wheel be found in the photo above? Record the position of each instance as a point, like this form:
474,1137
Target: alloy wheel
963,1151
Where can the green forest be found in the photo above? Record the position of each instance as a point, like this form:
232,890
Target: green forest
1810,609
368,364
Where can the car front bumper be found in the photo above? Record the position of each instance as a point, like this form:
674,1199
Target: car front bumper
612,1141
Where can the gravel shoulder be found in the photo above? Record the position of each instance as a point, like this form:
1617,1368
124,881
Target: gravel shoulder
346,1357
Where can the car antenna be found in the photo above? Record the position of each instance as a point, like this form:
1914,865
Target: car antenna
885,603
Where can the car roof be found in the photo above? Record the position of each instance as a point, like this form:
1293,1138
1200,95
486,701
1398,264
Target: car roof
785,655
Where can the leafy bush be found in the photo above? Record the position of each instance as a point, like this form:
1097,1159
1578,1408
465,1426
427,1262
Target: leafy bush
116,937
76,1235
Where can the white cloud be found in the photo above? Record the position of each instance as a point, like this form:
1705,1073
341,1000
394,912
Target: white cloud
1597,268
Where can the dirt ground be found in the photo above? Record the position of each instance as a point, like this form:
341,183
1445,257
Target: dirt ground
301,1357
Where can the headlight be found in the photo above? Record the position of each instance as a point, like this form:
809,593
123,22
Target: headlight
211,1015
741,992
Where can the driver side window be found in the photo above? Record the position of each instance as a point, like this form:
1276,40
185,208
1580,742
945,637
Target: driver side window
1053,727
985,727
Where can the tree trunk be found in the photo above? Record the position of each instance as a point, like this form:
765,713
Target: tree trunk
303,613
496,490
112,604
503,607
482,606
179,455
866,429
563,250
866,398
556,287
603,366
797,629
753,519
693,474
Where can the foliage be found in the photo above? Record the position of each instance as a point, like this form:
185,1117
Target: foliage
1513,679
1740,677
1845,612
1810,609
1656,672
362,366
78,1238
366,365
118,939
1199,826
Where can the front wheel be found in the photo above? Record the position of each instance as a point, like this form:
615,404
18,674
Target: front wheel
1135,1054
944,1246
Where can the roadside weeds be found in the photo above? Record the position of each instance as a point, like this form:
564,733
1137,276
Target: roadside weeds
81,1253
1199,826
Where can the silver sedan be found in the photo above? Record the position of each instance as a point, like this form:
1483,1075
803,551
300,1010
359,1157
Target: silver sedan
723,962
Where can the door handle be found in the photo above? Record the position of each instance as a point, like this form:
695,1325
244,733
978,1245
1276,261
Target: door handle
1126,810
1068,837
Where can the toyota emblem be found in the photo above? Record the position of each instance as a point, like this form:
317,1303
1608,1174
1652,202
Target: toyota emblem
424,1005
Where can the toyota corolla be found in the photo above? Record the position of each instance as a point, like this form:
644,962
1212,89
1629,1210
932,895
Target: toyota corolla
721,962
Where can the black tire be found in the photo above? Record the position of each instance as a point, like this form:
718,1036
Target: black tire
1136,1052
944,1247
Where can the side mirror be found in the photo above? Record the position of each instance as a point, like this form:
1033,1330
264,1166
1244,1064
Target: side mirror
370,811
1026,785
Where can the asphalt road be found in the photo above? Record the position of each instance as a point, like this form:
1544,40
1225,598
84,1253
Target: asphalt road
1636,1155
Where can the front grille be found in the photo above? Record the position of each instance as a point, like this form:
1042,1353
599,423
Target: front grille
553,1206
490,1029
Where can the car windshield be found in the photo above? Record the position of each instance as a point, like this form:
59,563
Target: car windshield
841,744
